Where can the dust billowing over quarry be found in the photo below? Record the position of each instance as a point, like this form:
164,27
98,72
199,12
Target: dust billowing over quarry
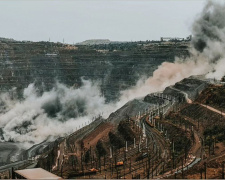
71,98
206,53
39,113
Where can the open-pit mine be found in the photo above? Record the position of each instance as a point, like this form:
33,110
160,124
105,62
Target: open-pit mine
176,132
104,109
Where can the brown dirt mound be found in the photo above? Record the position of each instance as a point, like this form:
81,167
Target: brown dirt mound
100,132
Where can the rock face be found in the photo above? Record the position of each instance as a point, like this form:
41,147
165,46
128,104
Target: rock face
153,100
189,87
130,109
116,66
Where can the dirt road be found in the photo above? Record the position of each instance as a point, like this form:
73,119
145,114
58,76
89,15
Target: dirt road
213,109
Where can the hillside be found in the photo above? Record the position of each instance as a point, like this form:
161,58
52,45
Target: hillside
213,96
94,42
139,132
162,135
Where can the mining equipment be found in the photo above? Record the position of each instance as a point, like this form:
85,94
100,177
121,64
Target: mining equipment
93,170
120,163
142,156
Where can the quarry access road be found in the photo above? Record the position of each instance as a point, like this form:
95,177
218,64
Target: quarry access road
11,165
161,144
193,158
31,151
213,109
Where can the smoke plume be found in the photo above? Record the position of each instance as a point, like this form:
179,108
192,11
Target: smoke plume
207,55
209,38
55,113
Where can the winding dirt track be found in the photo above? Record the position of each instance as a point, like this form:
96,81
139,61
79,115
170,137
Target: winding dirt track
213,109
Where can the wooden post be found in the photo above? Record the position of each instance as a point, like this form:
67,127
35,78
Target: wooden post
152,170
126,147
223,170
124,170
130,165
173,160
91,161
58,164
104,162
198,124
125,156
146,167
209,146
9,174
115,158
205,166
112,167
81,159
13,173
186,153
149,164
182,168
99,164
62,170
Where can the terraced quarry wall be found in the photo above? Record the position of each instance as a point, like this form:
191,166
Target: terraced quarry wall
115,66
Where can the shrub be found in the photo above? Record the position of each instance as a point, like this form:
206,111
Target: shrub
126,131
115,140
100,149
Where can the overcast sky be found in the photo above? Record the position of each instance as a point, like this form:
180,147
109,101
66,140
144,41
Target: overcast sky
79,20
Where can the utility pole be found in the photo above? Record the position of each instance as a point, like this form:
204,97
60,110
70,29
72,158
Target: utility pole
61,170
223,170
182,168
124,169
205,166
99,163
13,173
130,164
104,162
173,156
152,169
209,146
149,165
198,124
